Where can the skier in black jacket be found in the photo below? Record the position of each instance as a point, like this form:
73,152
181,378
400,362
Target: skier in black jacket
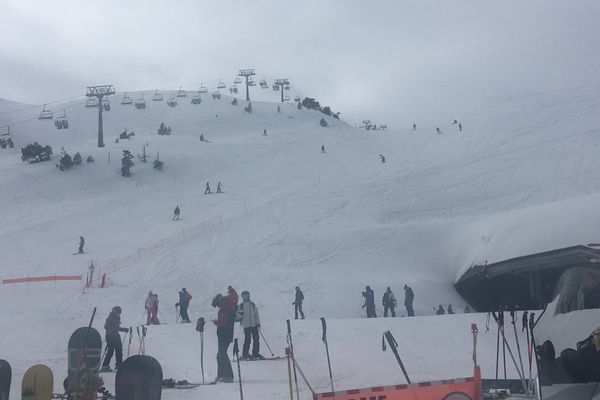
113,339
409,297
298,303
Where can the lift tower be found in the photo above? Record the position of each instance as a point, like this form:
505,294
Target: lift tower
100,92
281,83
247,73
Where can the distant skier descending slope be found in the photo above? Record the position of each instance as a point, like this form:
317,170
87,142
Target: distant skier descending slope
298,303
322,149
219,190
438,131
81,244
382,158
265,132
176,214
414,126
207,190
369,296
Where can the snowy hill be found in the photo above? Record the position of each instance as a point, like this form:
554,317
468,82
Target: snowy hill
521,177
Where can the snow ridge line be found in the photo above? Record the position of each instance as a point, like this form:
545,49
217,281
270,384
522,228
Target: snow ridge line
114,265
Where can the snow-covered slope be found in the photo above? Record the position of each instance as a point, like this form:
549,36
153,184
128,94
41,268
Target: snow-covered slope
519,178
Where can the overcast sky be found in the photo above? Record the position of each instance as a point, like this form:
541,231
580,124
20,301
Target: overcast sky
391,61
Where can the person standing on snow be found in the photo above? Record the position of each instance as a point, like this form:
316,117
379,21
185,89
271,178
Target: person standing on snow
247,314
184,302
219,187
176,214
460,127
81,244
414,126
440,310
438,131
409,297
298,303
389,303
112,327
382,158
265,132
450,310
151,306
207,190
322,149
225,323
369,296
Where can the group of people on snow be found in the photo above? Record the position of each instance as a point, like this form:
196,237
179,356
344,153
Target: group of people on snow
208,191
437,129
388,301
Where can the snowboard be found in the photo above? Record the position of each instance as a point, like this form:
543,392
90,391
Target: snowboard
5,378
85,349
139,378
263,359
37,383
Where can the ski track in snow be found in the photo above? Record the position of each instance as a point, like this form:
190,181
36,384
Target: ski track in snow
519,178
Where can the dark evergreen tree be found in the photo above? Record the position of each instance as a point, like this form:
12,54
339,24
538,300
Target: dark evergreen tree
77,159
323,123
126,163
326,110
34,153
311,104
90,159
234,102
66,161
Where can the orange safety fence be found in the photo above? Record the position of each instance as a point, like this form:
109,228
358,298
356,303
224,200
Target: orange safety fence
43,279
450,389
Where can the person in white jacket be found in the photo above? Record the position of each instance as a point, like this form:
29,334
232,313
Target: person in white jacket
247,314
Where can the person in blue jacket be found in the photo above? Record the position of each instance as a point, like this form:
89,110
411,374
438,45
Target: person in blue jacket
369,296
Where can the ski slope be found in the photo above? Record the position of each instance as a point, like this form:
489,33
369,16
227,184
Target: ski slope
521,177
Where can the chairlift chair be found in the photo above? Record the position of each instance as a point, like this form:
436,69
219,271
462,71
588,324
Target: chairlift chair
203,89
216,95
126,99
287,87
297,98
172,102
237,80
45,114
181,92
286,98
275,87
263,83
62,122
6,139
221,84
233,89
157,96
105,105
140,103
196,99
251,82
91,102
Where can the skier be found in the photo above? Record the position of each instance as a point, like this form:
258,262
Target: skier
247,314
369,296
207,191
81,244
409,297
382,158
459,127
265,132
454,122
414,126
322,149
176,214
440,310
151,306
225,323
113,339
438,131
231,292
201,137
184,302
450,310
298,303
389,302
219,187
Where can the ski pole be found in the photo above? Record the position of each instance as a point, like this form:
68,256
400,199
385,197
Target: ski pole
324,325
161,314
176,314
500,322
236,352
137,328
394,346
303,376
512,316
267,343
144,330
129,345
288,355
289,339
200,328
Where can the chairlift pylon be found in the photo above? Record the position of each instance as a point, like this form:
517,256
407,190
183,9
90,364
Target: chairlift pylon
126,99
45,114
157,96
